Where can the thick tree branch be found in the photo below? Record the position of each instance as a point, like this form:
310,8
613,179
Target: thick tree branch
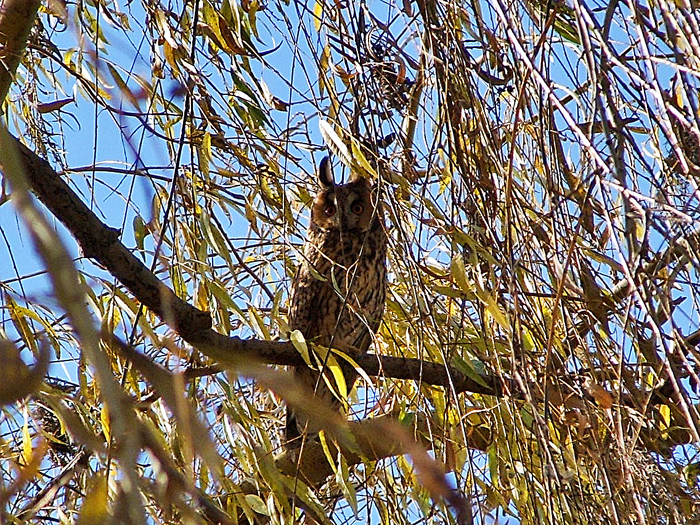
102,244
228,349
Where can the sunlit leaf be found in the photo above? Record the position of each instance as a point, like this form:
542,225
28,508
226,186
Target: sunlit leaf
299,343
256,503
204,154
106,424
95,505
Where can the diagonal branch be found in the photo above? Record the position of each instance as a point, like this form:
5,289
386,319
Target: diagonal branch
102,244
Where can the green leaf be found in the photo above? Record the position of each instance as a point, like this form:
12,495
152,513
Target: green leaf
302,491
178,282
215,238
140,232
473,370
257,504
204,155
342,478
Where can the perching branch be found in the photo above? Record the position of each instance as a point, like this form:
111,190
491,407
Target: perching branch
102,244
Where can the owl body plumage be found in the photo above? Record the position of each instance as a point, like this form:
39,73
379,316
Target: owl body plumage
339,290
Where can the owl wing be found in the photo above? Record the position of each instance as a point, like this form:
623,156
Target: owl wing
313,310
308,303
319,312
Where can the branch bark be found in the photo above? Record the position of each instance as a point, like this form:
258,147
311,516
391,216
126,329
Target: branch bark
102,244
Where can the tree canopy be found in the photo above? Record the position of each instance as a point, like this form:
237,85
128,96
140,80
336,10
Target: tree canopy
539,167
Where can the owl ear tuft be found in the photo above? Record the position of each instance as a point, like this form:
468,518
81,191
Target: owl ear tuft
325,173
358,177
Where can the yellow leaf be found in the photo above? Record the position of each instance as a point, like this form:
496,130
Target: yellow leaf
19,315
665,413
361,160
202,298
327,450
493,309
204,155
95,505
318,14
170,53
26,442
458,273
104,419
257,322
338,376
323,63
352,362
297,339
445,180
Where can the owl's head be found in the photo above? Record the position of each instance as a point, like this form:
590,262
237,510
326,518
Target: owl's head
346,207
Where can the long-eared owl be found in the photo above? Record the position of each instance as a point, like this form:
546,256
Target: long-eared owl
339,290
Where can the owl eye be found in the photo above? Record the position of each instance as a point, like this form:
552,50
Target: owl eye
357,208
329,210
